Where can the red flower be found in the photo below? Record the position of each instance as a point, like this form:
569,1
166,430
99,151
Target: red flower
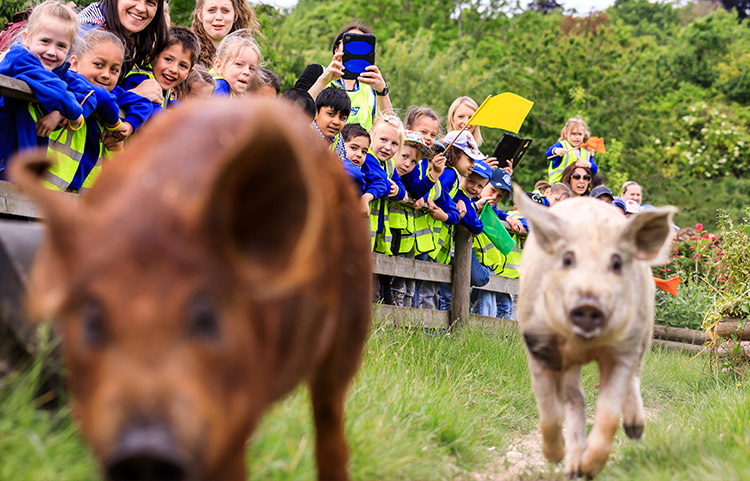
698,228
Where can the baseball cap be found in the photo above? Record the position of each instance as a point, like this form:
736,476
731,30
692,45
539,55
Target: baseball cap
601,190
464,141
482,169
415,139
619,202
501,180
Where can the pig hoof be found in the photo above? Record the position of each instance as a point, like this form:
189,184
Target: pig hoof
633,431
575,474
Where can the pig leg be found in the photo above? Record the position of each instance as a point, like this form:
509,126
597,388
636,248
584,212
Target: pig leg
614,381
633,413
575,421
328,412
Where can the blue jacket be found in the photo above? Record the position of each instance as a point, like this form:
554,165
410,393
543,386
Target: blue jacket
449,207
416,182
471,220
355,173
222,88
137,109
135,78
376,179
17,126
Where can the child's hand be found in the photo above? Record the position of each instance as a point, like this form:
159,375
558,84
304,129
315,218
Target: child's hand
150,89
461,208
480,203
559,152
437,164
394,189
436,212
77,123
509,168
419,203
125,131
373,78
335,69
111,142
492,162
515,224
49,123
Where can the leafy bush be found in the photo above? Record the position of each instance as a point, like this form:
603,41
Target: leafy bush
687,309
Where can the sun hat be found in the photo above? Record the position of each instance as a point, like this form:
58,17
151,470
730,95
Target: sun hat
465,142
632,207
415,139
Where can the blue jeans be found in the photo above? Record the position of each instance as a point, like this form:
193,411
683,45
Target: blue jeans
504,305
483,303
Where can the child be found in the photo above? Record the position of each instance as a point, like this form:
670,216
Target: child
96,61
198,85
567,149
357,142
269,84
171,67
39,60
401,215
459,113
331,111
302,99
236,65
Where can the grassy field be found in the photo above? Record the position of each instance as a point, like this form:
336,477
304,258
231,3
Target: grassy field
426,406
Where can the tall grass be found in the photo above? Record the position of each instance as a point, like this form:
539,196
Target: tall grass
430,406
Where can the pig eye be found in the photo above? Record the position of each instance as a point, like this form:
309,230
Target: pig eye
568,260
94,332
203,318
616,264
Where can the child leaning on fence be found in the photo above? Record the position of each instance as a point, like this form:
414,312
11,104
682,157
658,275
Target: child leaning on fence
171,67
40,61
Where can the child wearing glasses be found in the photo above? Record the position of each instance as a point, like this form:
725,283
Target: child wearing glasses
578,177
567,150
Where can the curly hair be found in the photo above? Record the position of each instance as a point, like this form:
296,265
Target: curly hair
244,18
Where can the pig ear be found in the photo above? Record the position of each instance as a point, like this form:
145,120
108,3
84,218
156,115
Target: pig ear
267,207
547,227
62,221
646,232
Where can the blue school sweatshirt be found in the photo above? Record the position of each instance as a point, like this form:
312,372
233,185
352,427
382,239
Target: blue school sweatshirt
355,173
416,182
135,78
471,219
17,126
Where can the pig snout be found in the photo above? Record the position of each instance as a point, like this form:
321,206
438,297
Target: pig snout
147,453
587,316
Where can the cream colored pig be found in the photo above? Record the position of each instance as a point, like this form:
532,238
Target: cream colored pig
586,295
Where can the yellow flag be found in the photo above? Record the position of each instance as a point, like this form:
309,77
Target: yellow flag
505,111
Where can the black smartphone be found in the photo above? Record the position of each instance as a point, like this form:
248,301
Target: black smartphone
359,53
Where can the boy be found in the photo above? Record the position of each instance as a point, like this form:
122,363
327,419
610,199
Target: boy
357,142
171,67
331,111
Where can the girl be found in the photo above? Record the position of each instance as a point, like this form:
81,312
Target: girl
459,113
140,23
236,65
567,151
39,60
96,60
368,99
199,85
215,19
578,177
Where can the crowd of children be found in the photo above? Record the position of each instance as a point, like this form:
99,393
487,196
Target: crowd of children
95,89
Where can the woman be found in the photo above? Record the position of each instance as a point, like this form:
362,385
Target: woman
578,177
141,24
459,113
215,19
366,100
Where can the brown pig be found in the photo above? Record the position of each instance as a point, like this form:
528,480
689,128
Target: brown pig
586,294
217,263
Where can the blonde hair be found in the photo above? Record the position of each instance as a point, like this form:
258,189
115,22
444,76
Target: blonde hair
570,124
474,129
53,10
94,38
627,185
389,120
232,44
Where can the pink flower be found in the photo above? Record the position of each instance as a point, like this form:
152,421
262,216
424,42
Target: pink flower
676,252
692,248
698,227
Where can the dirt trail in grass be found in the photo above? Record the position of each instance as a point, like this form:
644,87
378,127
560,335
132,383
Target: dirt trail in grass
523,460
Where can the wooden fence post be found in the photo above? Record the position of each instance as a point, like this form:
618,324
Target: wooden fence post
461,274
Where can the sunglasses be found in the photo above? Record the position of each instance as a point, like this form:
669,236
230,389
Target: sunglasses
586,177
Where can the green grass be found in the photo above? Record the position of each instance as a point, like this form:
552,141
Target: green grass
432,407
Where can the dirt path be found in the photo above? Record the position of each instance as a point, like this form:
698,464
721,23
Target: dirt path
523,460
